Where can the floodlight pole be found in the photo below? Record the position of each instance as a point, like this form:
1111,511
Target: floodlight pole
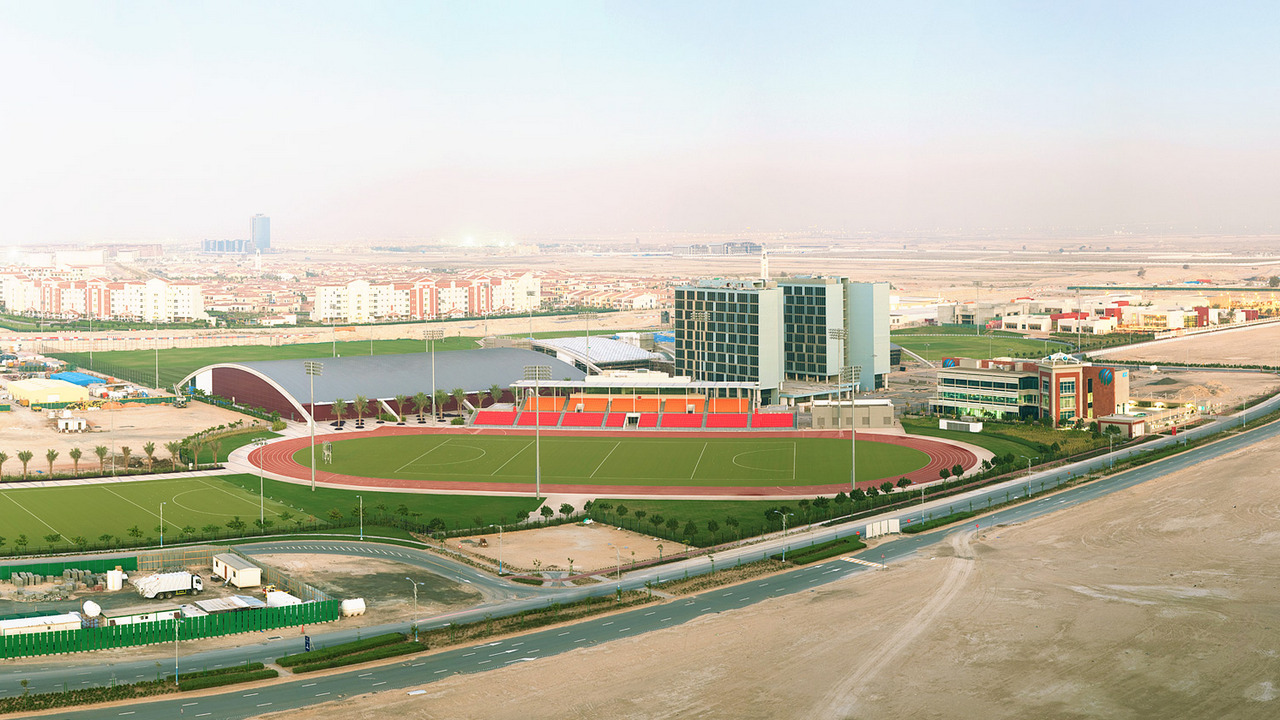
537,373
431,336
415,607
784,531
849,372
588,316
841,334
260,443
313,368
161,524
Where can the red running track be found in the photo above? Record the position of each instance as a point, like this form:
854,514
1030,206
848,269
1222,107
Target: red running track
277,458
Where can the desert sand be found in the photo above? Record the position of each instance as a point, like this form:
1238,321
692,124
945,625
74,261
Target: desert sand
1159,601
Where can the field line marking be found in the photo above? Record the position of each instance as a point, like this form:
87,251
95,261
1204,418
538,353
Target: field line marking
513,457
794,452
221,489
37,517
437,447
606,458
699,462
113,492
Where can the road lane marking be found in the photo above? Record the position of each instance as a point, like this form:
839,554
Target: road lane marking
440,671
249,695
580,640
384,682
308,685
321,694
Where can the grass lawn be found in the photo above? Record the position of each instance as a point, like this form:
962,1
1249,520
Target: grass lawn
996,444
457,511
949,330
1016,438
984,346
90,511
177,363
665,461
229,444
580,332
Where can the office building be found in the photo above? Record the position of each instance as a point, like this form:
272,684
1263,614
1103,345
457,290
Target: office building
731,331
1059,387
814,307
260,232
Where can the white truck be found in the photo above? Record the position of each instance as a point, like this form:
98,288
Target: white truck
166,585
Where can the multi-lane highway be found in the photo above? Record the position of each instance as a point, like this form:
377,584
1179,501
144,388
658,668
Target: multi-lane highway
504,598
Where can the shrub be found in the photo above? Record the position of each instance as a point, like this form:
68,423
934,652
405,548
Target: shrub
386,651
340,650
458,421
822,551
208,681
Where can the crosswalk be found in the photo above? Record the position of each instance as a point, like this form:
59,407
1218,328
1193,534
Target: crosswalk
860,561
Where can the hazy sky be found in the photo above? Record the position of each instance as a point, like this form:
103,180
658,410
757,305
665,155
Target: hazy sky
419,120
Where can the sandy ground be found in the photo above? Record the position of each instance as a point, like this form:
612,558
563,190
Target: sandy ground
1253,346
22,429
590,546
1221,391
1156,602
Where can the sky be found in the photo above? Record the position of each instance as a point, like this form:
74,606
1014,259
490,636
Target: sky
411,121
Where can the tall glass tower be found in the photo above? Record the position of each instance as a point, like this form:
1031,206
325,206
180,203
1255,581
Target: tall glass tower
260,231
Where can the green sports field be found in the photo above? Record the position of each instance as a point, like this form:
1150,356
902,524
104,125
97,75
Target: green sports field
690,462
934,348
90,511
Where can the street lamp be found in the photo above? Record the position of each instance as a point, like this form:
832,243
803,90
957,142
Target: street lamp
1029,459
499,546
849,374
312,368
258,444
617,555
537,373
415,606
162,524
699,316
176,622
431,336
588,316
784,531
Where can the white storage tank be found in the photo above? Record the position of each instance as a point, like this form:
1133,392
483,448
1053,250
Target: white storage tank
115,579
353,607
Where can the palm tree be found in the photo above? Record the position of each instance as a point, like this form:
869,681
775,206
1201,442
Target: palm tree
495,394
421,400
339,409
459,395
400,403
101,451
175,449
215,447
24,456
3,457
438,401
150,450
51,455
75,455
362,406
126,451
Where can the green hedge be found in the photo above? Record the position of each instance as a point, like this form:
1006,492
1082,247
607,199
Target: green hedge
249,667
944,520
386,651
333,651
86,696
209,681
822,551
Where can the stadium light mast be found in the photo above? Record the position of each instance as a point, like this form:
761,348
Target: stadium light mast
537,373
588,316
258,444
849,374
430,337
312,368
841,334
161,524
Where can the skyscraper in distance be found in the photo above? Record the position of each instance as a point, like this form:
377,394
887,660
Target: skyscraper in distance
260,231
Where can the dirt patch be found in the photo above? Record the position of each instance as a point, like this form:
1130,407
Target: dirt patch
1253,346
1218,391
590,546
1158,601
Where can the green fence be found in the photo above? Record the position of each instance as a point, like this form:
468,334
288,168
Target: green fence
142,401
151,633
100,565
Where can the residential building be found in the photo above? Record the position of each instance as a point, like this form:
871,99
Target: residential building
731,331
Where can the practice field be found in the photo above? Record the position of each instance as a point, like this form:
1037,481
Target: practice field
664,461
90,511
934,348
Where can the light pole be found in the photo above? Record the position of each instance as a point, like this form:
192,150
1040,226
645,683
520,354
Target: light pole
841,334
588,316
784,531
258,444
176,622
849,374
431,336
361,499
161,524
617,556
313,368
699,316
499,547
415,606
1029,459
537,373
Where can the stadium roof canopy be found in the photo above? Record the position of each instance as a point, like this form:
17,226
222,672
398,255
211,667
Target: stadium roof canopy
604,351
284,385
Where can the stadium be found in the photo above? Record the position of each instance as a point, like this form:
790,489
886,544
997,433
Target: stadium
631,432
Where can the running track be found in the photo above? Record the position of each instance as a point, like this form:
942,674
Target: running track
277,458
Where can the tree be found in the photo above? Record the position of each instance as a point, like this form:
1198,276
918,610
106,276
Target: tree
841,498
149,449
495,394
821,502
236,524
712,526
24,457
856,494
401,401
672,524
566,509
904,482
401,509
51,455
957,469
886,487
52,538
1273,281
438,401
106,538
872,491
459,395
3,457
75,454
286,516
546,512
421,401
944,473
361,407
21,541
339,408
197,444
211,529
639,514
690,529
622,510
175,449
188,530
657,520
135,532
215,451
125,452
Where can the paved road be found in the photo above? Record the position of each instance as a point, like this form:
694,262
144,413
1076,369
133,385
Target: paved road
477,658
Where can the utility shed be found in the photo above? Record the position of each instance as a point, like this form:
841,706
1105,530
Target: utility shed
237,570
39,391
46,623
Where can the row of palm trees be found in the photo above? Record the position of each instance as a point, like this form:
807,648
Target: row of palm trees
420,402
102,452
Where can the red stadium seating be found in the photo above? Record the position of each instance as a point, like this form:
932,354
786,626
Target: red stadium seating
495,417
727,420
616,420
583,419
682,420
529,418
772,420
648,420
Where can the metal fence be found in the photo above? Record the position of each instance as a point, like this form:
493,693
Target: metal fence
175,559
297,588
116,636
